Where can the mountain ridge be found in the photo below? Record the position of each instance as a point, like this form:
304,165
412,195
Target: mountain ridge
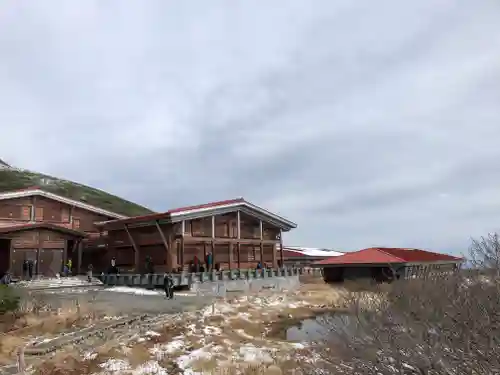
12,179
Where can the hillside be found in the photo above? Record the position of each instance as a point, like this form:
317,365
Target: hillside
13,179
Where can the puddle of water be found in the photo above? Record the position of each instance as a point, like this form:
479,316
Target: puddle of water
319,328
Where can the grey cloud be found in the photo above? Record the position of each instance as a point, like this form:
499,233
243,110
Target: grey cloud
369,123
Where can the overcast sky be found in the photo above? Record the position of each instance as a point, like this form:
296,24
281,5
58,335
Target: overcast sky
366,122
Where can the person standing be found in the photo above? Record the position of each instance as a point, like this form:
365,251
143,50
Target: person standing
30,269
89,273
25,268
168,285
196,264
209,261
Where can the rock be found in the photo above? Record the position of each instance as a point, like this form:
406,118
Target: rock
273,370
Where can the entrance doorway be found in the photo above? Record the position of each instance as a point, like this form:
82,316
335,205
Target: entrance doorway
4,255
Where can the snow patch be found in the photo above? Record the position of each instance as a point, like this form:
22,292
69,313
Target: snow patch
136,291
115,366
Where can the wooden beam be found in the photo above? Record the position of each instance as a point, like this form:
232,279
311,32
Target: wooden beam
261,230
238,224
168,251
213,226
80,254
136,249
212,244
223,240
238,249
281,248
262,254
230,246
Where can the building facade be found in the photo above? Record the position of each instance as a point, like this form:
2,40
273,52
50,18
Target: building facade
237,234
46,229
387,264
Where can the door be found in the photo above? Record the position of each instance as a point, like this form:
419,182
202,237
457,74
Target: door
4,256
19,256
50,262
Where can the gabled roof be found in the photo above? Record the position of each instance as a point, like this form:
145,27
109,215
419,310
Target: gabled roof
37,191
203,210
302,252
23,227
383,255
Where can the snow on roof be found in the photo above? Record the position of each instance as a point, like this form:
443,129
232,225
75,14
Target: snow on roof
313,251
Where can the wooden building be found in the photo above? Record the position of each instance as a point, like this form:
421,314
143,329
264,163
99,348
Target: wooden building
387,264
45,228
237,233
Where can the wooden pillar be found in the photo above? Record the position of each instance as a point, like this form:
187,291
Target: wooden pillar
274,257
181,252
261,245
137,257
80,253
212,244
238,250
238,225
65,255
230,255
281,249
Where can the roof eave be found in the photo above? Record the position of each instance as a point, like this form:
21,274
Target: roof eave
71,202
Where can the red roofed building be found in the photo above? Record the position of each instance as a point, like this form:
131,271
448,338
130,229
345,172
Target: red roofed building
382,264
237,234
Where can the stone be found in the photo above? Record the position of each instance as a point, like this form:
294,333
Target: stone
273,370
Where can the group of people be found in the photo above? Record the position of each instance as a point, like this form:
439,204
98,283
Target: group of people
28,268
196,266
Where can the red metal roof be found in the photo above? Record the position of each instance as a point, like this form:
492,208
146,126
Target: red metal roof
32,226
189,210
382,255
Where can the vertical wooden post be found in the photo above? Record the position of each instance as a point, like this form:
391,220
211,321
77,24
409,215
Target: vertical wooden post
33,208
281,248
80,254
238,225
213,226
183,233
65,255
213,254
261,244
238,254
230,259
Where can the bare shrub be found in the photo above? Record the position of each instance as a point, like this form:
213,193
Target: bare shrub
434,325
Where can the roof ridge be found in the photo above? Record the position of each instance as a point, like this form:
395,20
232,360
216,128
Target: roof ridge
379,249
49,194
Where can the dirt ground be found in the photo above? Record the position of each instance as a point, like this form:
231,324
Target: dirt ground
242,334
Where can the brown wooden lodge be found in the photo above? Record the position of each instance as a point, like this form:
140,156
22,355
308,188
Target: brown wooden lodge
49,229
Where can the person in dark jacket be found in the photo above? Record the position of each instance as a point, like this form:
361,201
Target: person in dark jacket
6,279
25,269
30,269
168,285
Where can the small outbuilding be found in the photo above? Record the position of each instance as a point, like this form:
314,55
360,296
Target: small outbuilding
386,264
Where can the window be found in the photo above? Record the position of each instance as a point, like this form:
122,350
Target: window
76,223
65,215
26,212
39,214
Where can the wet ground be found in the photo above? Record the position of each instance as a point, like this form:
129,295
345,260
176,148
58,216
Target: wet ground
108,302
